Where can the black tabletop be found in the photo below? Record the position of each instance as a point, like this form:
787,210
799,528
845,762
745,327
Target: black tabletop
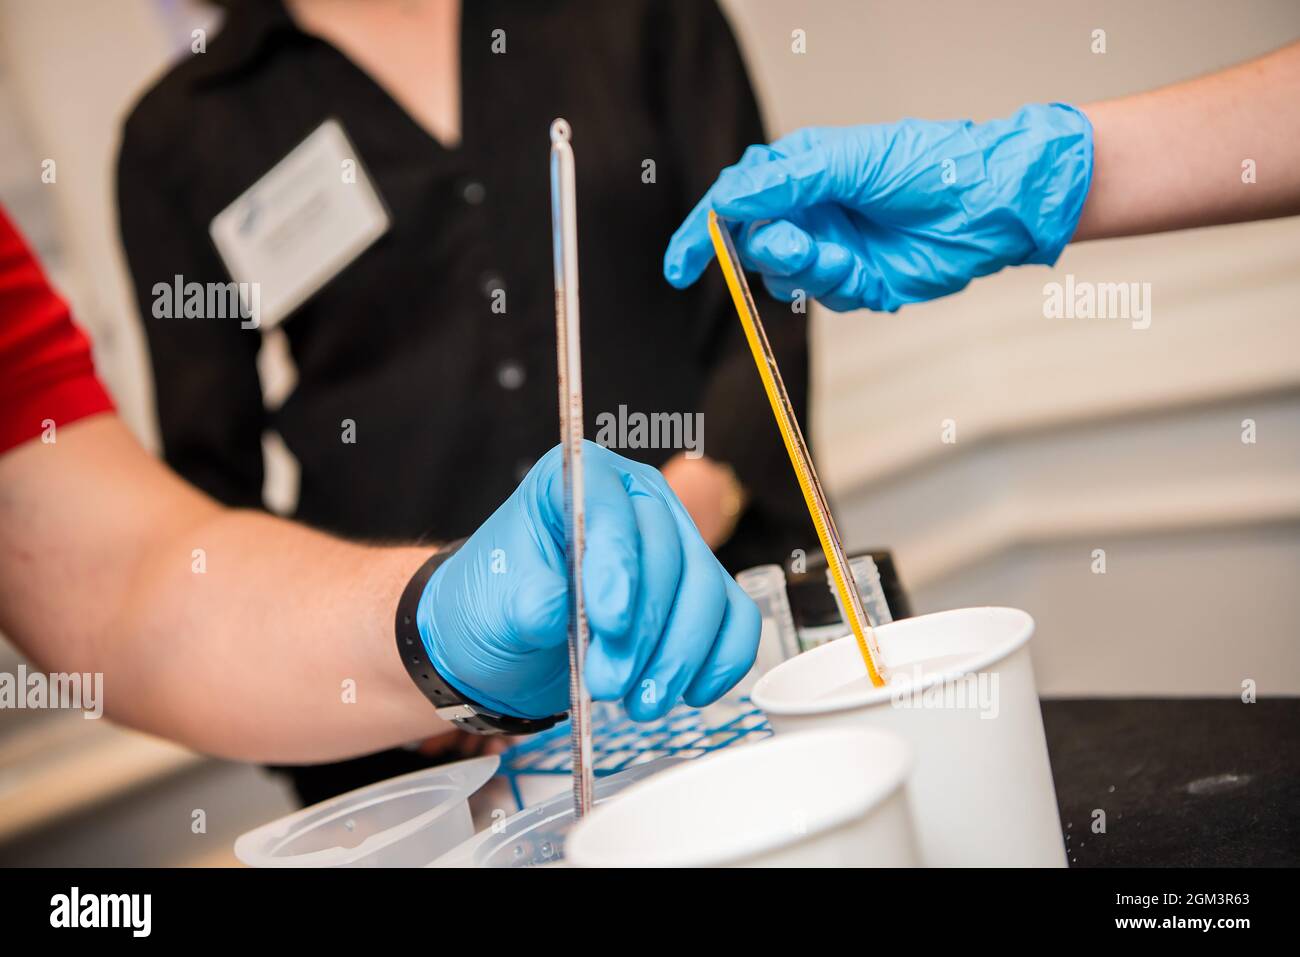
1182,782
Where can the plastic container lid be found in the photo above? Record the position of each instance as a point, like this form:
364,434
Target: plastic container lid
405,821
535,837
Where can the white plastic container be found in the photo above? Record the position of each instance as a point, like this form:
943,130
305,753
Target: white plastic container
536,836
962,695
821,799
405,821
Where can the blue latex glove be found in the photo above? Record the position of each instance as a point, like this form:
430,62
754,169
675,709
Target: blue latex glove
881,216
667,622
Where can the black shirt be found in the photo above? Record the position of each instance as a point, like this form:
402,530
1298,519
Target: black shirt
451,401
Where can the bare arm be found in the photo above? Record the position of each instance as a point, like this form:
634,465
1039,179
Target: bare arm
1173,158
247,658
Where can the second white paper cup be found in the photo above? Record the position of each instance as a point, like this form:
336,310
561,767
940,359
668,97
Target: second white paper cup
821,799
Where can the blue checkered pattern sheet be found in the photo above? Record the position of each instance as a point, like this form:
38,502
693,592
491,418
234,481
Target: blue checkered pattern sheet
618,742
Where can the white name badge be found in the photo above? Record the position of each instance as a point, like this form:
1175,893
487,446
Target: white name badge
301,224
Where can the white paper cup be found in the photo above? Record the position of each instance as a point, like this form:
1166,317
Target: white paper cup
981,791
821,799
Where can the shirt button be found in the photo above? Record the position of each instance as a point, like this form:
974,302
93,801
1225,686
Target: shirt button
510,375
490,283
474,192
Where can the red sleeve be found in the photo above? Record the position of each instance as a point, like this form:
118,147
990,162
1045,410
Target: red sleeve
46,370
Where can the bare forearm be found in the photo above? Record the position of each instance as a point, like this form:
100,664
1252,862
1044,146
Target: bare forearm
233,632
280,649
1219,149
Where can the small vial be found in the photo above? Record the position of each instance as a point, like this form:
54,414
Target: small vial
867,579
779,641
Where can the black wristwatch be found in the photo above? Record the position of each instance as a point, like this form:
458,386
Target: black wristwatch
464,713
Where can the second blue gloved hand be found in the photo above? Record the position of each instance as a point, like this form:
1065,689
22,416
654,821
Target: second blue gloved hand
880,216
667,622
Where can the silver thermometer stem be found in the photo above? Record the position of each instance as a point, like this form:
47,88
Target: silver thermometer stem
564,241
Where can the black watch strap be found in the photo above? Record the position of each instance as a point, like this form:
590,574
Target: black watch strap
466,714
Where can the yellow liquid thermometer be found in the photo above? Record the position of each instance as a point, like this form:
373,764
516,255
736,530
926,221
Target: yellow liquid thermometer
797,448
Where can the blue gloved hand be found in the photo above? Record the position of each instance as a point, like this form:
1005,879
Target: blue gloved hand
666,620
884,215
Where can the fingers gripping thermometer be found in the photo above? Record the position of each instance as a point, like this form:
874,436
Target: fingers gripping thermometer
564,243
797,448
